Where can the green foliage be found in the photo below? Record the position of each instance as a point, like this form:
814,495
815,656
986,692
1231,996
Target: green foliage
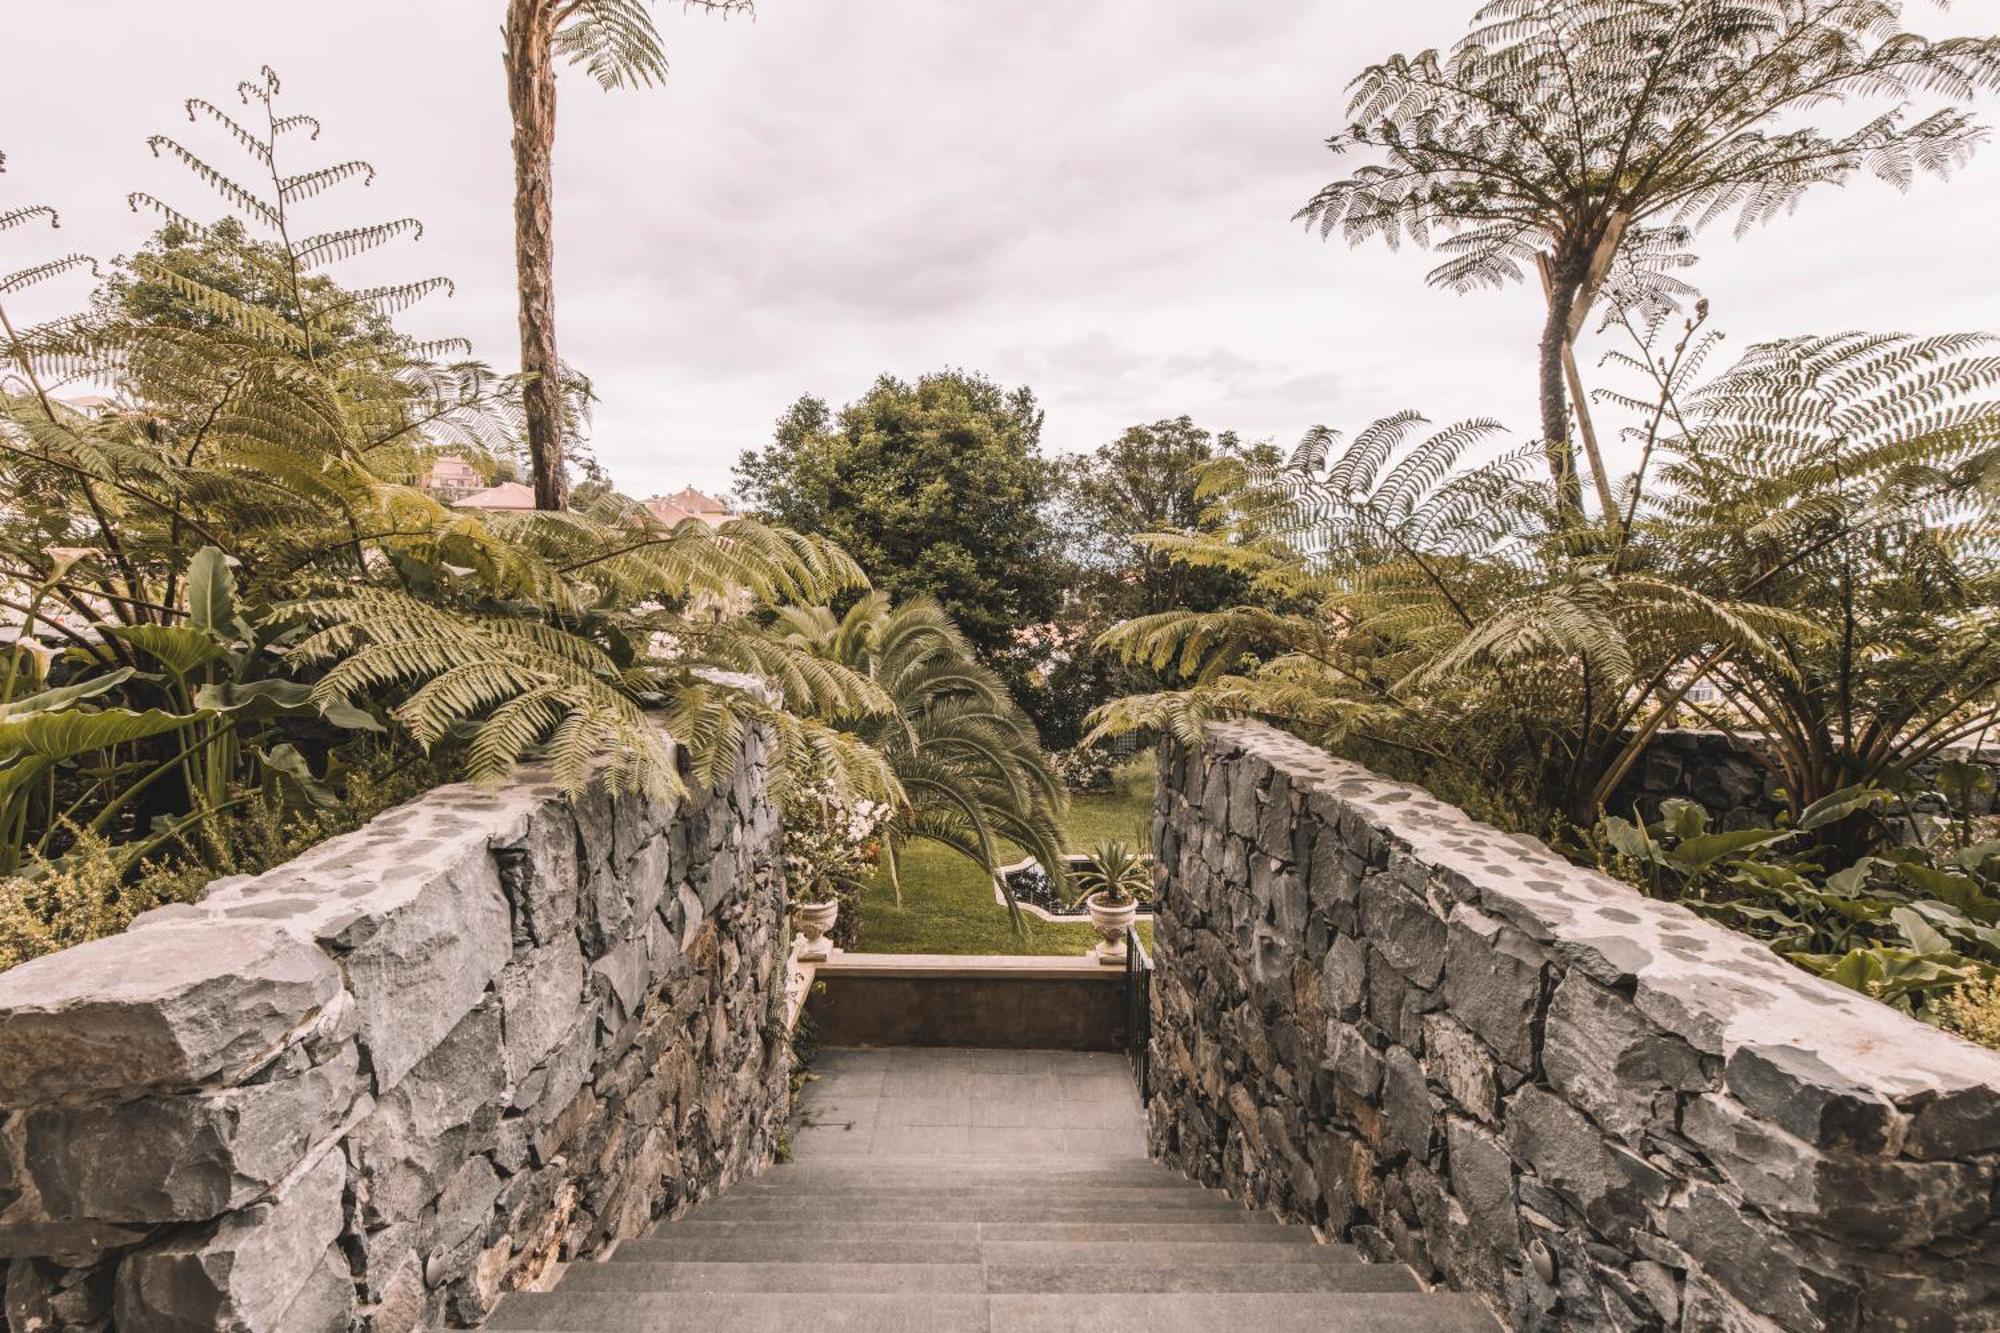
969,772
1812,532
1115,874
1910,926
937,489
1109,504
97,889
1851,485
224,572
1972,1011
1442,616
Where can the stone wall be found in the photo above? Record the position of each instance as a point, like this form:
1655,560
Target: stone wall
1725,775
1454,1048
417,1066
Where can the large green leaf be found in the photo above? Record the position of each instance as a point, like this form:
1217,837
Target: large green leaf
181,649
65,695
1836,806
1918,933
281,698
61,735
1698,853
211,592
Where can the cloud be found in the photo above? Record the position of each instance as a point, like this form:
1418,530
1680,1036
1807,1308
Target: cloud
1092,198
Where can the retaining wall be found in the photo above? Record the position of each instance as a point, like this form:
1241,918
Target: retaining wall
1456,1049
417,1066
1727,776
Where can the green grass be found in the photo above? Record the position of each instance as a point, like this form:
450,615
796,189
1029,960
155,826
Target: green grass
948,902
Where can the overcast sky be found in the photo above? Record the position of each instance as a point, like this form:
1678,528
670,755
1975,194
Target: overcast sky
1091,197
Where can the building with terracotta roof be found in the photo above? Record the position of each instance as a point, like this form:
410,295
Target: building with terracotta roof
689,503
451,479
508,495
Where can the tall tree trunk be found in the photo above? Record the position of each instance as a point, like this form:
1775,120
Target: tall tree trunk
1585,429
1564,281
531,97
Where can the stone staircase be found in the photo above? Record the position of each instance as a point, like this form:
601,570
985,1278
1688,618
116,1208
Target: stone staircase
912,1204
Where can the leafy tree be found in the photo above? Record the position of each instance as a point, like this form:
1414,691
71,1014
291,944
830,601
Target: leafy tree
1111,503
1853,483
1431,617
618,45
155,286
936,489
1560,133
234,538
1141,483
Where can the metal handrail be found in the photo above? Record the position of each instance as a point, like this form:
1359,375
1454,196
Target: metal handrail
1139,1011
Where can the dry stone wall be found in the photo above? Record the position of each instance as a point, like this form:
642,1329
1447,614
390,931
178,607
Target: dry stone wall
417,1066
1727,776
1456,1049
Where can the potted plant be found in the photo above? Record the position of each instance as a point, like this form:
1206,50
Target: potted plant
1112,884
831,847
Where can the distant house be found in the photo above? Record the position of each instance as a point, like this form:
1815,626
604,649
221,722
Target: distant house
689,503
508,495
451,479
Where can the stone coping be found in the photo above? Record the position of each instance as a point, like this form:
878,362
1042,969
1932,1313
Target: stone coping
976,966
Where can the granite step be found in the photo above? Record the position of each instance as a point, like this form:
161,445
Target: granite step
1166,1213
1046,1277
562,1311
1240,1228
1092,1241
946,1312
805,1275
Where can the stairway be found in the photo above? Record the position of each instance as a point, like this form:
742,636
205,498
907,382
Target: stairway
996,1191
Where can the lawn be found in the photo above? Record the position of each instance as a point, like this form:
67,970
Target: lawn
948,902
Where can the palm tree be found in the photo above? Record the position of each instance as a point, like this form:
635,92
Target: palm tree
617,42
1560,134
971,770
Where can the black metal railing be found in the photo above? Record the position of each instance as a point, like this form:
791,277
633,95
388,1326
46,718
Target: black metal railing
1139,1011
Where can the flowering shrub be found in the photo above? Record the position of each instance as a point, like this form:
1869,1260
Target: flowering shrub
832,844
1085,768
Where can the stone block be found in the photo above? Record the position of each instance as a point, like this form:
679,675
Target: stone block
1604,1057
1482,1179
1799,1091
1881,1203
1456,1059
538,873
541,993
445,1108
165,1007
1608,1186
1493,983
1402,925
250,1272
419,963
186,1156
1408,1103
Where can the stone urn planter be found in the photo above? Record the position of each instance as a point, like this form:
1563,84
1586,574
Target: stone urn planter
1111,921
815,920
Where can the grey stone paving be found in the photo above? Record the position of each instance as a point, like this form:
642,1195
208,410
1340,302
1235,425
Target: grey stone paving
949,1191
927,1103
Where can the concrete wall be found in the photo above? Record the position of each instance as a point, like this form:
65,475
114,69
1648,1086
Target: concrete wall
418,1065
1601,1112
1011,1003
